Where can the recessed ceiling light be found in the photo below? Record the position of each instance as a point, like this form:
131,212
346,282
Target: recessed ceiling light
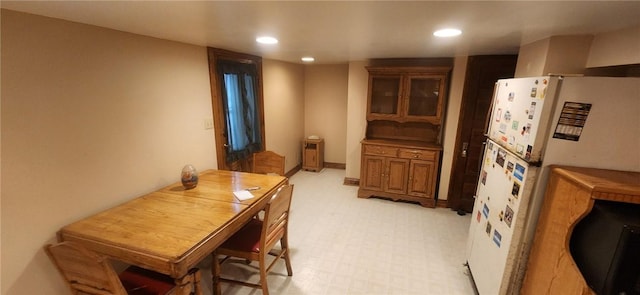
308,59
447,33
266,40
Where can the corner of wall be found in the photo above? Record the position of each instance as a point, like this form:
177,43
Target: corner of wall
532,58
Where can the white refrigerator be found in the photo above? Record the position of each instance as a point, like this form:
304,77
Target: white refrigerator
536,122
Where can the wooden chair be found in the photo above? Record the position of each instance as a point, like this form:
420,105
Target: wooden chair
266,162
257,239
86,272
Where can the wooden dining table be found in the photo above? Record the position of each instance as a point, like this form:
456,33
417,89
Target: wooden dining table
172,229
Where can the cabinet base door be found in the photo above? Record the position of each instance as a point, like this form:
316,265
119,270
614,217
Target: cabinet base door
372,173
421,180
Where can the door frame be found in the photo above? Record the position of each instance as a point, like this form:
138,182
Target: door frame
217,104
502,66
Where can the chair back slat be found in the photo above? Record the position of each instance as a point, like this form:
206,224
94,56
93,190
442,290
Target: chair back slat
268,162
85,272
276,216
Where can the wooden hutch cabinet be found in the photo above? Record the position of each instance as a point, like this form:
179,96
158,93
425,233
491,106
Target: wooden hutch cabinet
401,151
406,94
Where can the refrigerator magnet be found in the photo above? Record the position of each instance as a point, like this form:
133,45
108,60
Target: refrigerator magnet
511,96
508,215
488,228
515,190
514,125
483,177
497,238
507,116
519,172
485,211
478,216
510,166
502,155
534,91
532,110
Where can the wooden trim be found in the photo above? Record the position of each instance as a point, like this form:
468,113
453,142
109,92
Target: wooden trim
335,165
293,171
442,204
424,202
351,181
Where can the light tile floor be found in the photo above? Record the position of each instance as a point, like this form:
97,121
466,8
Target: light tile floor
344,245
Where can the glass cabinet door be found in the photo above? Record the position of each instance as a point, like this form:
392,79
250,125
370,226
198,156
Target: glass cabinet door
385,92
424,96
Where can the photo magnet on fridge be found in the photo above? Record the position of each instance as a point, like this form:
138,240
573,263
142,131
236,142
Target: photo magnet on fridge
502,155
515,190
510,166
488,228
478,216
508,215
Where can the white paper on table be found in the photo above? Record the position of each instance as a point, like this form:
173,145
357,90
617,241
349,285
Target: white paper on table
243,195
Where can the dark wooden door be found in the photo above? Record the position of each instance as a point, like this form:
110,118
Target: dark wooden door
482,73
232,66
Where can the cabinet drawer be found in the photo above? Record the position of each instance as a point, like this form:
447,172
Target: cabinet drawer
380,150
417,154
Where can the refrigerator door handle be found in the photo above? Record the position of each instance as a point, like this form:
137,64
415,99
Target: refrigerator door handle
484,144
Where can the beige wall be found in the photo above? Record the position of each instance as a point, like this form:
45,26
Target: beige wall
0,166
620,47
284,109
90,118
567,54
555,55
325,107
529,62
451,124
572,54
356,115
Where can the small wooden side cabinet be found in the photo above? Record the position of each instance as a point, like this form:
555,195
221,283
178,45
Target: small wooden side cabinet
570,196
313,154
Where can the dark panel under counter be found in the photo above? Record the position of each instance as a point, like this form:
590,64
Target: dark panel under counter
606,248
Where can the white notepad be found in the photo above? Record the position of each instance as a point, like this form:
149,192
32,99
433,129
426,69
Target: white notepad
243,195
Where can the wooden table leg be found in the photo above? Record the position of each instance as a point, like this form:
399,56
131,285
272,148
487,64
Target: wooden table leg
215,274
189,284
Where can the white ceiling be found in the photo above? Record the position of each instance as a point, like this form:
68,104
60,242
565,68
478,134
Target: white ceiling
341,31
